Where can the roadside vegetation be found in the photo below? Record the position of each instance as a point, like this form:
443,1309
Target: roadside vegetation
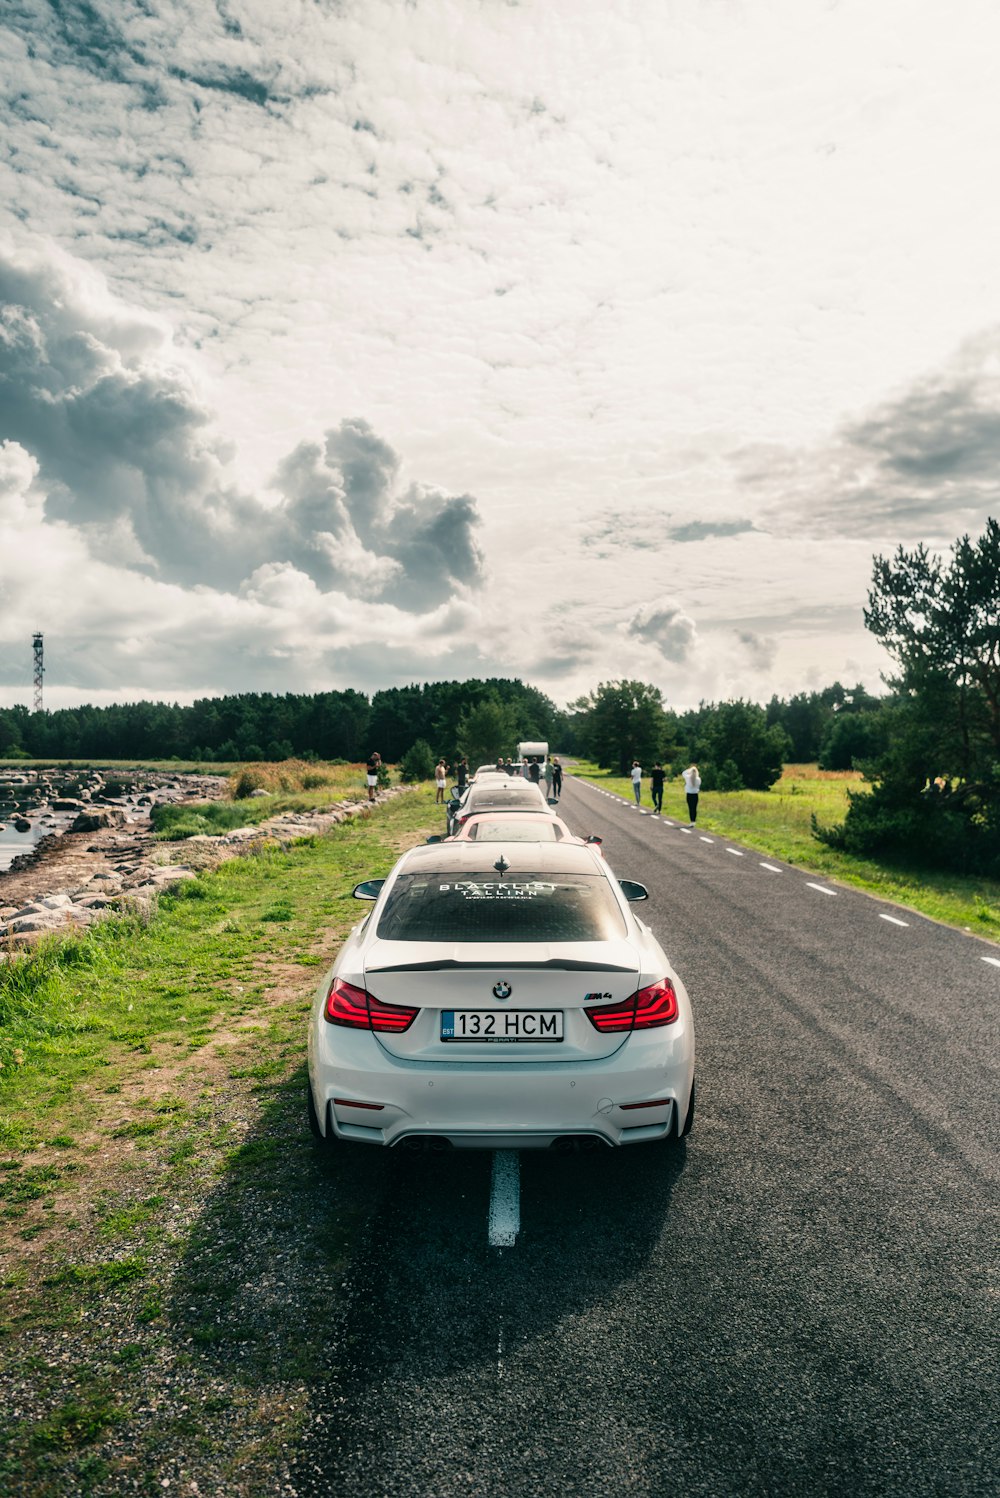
779,822
259,791
172,1244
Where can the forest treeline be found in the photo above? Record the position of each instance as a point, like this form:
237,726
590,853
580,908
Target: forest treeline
479,718
930,748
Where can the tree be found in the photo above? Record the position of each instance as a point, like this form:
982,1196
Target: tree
736,737
942,624
936,793
417,763
486,731
622,721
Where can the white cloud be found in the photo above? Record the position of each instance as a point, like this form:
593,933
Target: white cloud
672,291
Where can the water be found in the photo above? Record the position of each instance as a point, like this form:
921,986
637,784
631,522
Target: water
29,793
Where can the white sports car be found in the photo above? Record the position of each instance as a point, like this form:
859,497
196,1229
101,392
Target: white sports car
501,996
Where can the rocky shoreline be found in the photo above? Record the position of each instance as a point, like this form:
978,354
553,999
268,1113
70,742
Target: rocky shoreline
107,859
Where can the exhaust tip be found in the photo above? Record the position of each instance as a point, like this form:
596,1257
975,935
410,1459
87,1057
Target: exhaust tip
578,1144
424,1144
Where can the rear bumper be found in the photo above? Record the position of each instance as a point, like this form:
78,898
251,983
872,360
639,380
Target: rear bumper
509,1106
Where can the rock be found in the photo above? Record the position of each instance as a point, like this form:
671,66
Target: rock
67,803
22,824
28,923
93,821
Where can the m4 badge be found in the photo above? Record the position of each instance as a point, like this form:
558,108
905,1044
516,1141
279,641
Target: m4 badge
593,998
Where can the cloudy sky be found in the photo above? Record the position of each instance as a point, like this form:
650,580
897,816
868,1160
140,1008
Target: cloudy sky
356,342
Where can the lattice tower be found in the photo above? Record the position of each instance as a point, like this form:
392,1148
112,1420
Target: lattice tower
36,641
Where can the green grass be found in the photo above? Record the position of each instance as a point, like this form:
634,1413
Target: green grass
166,1057
298,787
778,822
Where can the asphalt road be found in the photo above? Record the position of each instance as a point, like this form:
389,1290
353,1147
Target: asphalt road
801,1300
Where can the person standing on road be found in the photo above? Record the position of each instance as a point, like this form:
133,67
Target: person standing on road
547,772
440,771
462,773
692,785
656,786
534,772
556,778
372,769
637,781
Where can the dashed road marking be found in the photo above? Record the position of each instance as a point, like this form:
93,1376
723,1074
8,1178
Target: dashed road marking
505,1199
667,822
685,830
891,919
735,852
706,839
993,961
773,867
822,888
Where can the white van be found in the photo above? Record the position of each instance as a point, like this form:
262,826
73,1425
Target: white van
528,753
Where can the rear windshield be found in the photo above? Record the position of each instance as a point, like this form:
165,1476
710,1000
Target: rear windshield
507,830
516,796
486,907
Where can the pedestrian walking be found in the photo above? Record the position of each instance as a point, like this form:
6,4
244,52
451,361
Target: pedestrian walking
656,786
534,772
556,777
547,773
372,769
692,785
637,781
440,771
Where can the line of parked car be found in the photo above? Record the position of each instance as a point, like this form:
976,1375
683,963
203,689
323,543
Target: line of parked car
501,992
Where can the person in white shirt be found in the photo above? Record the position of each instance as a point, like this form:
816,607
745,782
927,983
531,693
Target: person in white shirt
692,785
636,780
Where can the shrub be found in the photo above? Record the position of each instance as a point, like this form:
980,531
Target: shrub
418,763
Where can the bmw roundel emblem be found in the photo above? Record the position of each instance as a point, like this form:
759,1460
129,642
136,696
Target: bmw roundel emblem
501,990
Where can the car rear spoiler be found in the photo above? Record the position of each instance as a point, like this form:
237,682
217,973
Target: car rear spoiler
565,964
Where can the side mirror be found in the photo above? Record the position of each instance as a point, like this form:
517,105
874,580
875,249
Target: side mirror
593,838
369,890
633,891
456,794
437,838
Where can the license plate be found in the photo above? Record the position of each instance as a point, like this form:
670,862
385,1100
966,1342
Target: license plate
502,1027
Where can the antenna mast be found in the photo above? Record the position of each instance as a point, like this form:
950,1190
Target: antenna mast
36,641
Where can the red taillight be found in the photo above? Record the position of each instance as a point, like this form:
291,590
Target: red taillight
645,1010
357,1009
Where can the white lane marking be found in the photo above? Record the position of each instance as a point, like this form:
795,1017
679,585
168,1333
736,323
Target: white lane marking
668,823
993,961
735,852
822,888
773,867
685,830
883,917
505,1199
706,839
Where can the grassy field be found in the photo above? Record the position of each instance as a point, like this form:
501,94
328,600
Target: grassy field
778,822
171,1242
258,791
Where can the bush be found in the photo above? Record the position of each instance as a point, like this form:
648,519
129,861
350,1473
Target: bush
728,777
290,775
735,738
946,828
417,763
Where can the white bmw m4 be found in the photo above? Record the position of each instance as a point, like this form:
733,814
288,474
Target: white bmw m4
501,996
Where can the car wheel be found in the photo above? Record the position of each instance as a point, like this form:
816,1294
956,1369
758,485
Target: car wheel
325,1141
